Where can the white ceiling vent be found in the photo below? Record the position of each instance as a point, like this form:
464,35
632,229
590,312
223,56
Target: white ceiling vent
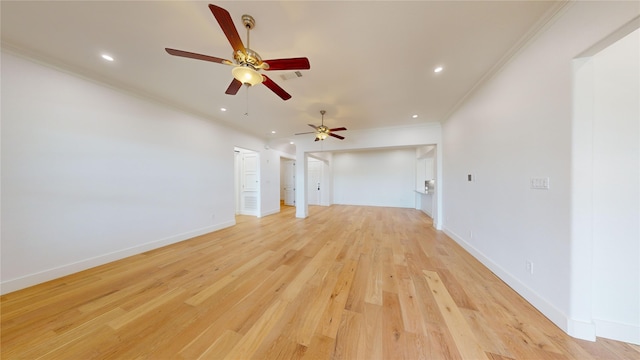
291,75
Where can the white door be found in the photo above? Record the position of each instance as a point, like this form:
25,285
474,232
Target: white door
314,183
249,183
289,182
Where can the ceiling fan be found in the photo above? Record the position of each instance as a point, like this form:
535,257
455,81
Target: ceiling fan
246,62
322,132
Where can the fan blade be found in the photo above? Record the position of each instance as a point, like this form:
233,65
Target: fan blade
310,132
313,126
198,56
233,87
338,129
336,136
229,29
288,64
276,88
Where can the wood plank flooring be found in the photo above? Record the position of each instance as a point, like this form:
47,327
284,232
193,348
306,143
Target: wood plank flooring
346,283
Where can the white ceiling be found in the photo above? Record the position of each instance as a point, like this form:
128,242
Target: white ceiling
371,61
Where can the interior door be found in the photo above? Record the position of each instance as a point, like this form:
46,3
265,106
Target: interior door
314,183
249,184
289,183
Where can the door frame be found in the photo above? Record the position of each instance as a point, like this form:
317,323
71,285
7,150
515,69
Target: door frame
284,162
239,179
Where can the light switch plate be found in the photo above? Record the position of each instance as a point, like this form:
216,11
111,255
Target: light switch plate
540,183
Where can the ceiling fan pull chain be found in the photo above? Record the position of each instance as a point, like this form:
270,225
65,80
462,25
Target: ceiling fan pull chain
247,98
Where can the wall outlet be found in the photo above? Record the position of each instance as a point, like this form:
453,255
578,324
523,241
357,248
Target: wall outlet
529,266
470,234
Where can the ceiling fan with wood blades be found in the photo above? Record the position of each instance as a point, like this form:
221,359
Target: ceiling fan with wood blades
322,132
246,63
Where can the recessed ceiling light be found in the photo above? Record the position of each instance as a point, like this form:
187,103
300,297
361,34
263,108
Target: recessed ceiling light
414,116
291,142
107,57
438,69
223,109
273,131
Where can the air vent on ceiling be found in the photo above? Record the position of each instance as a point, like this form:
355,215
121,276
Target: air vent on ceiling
291,75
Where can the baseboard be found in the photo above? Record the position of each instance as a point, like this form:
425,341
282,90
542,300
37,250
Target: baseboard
573,328
67,269
581,329
269,212
618,331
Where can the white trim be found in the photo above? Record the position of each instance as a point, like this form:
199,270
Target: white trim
581,329
618,331
60,271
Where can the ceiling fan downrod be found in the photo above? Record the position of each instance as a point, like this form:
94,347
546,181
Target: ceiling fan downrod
249,23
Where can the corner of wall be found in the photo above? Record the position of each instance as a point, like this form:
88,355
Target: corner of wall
269,212
581,329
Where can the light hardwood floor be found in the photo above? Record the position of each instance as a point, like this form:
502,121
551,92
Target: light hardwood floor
346,283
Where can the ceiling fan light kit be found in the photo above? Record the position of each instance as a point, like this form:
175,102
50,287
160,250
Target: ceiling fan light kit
247,75
246,62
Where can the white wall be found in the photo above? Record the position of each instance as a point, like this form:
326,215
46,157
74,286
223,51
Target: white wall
515,127
375,178
91,174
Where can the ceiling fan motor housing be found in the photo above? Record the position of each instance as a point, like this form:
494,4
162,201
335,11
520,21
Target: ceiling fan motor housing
250,58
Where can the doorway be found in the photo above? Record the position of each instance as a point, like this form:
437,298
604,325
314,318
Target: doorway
315,185
247,183
605,178
288,181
